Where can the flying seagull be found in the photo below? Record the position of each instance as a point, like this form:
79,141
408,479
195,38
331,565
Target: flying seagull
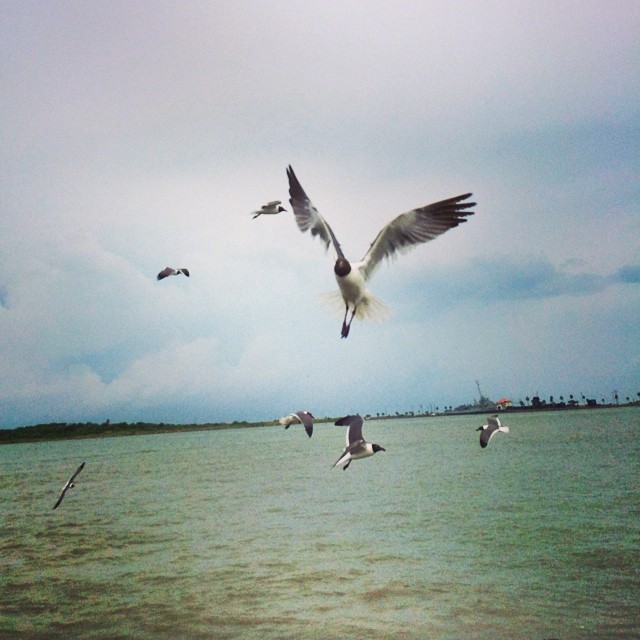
487,430
401,234
305,418
169,271
357,447
270,209
68,486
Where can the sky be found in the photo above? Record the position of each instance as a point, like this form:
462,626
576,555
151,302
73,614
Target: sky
137,135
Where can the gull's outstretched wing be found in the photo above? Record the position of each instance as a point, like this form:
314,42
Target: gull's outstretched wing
486,435
306,419
78,470
307,216
167,271
64,490
354,434
415,227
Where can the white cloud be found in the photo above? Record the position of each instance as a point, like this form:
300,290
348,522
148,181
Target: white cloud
139,136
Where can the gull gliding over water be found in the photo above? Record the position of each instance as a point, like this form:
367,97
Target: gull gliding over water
305,418
68,486
357,447
487,430
170,271
269,209
401,234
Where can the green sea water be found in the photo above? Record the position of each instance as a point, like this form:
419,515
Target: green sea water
249,533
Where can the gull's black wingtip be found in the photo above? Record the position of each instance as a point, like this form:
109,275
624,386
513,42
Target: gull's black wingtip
459,201
293,179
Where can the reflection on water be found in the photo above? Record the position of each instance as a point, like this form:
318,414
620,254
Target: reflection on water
249,533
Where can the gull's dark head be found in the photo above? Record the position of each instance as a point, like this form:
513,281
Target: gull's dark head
281,208
342,267
480,428
377,447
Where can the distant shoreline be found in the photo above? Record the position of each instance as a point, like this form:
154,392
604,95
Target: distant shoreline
71,431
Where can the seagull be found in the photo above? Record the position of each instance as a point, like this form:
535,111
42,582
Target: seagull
270,209
68,486
169,271
489,429
357,447
401,234
305,418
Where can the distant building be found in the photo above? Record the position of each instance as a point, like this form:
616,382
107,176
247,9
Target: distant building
503,403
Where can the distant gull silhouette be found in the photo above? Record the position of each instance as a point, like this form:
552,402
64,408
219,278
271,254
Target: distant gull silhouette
305,418
68,485
170,271
269,209
487,430
357,447
401,234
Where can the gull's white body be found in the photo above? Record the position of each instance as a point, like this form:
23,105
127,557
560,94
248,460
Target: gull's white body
353,295
363,450
352,286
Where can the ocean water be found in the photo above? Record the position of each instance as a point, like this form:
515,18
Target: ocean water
249,533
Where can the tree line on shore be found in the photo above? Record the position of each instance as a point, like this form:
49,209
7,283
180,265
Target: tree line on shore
65,430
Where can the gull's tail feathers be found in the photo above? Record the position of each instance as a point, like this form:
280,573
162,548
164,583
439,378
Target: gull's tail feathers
332,301
370,308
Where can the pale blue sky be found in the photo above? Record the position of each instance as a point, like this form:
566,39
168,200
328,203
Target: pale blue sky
137,135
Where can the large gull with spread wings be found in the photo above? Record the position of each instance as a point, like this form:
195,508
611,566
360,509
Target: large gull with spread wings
401,234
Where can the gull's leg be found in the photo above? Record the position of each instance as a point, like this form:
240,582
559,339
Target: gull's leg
347,325
345,328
